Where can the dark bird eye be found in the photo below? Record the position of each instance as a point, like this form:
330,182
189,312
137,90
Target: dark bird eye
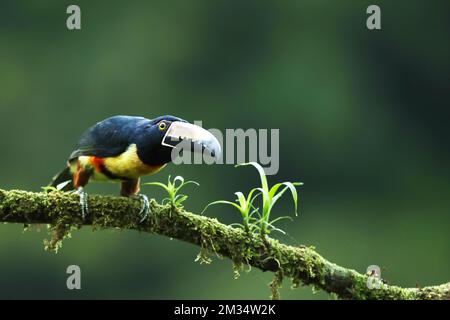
162,126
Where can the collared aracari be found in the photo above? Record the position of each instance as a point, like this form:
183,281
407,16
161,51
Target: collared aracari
124,148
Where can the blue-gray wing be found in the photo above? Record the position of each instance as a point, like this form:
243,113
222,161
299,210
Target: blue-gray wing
108,138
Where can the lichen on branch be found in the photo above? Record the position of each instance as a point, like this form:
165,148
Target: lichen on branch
301,264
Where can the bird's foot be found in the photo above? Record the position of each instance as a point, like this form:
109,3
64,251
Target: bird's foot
145,210
83,202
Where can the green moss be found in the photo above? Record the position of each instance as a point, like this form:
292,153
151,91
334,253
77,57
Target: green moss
275,285
58,232
203,256
301,264
237,268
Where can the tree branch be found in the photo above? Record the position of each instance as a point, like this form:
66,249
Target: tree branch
302,264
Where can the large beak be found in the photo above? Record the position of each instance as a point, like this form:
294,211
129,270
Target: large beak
187,132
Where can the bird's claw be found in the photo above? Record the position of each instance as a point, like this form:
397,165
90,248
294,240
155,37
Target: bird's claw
83,202
145,210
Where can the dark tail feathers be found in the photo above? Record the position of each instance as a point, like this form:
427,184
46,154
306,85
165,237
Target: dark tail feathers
62,177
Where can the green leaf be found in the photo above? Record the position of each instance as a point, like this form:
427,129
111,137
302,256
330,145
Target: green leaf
180,179
291,187
280,218
251,197
222,202
237,224
158,184
49,188
241,199
266,202
191,182
272,228
180,199
261,172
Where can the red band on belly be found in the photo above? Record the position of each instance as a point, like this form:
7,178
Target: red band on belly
98,164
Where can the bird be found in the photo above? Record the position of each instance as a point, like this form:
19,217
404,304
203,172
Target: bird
123,148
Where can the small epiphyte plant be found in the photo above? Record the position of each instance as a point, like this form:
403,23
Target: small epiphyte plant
173,187
245,207
269,196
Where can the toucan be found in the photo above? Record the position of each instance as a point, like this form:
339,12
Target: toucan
124,148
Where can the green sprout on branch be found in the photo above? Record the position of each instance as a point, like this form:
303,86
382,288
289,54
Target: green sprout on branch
269,196
175,199
245,207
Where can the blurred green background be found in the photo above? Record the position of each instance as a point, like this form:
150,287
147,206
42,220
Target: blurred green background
363,118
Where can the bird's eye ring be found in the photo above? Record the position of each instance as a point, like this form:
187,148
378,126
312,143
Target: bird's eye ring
162,126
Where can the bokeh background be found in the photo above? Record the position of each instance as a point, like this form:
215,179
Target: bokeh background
363,118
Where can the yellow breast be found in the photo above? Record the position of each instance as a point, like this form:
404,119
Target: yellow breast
126,165
129,165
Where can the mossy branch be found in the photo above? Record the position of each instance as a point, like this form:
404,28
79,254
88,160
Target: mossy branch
302,264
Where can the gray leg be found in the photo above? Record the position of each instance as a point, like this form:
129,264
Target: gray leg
145,210
130,188
83,202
